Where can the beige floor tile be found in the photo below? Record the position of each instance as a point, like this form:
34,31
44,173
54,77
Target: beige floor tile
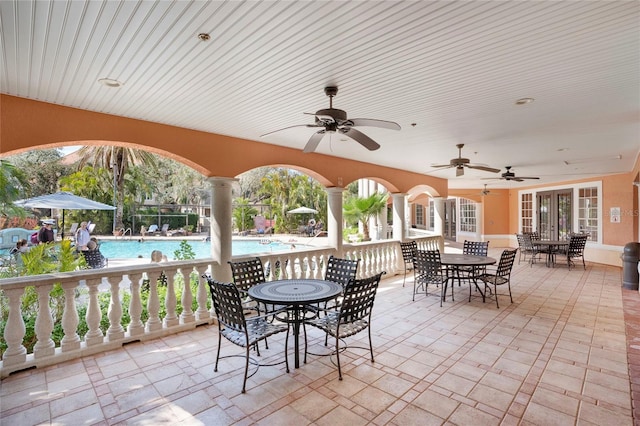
464,363
537,414
313,405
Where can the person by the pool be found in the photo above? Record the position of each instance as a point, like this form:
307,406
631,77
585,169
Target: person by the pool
45,234
82,237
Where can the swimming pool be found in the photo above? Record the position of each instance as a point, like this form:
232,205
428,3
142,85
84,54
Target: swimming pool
131,249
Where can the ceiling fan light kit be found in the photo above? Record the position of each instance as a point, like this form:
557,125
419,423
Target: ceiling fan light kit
333,120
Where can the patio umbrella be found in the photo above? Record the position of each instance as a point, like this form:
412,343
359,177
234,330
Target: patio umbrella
303,210
64,201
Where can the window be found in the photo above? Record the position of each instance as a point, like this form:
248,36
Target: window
432,220
526,202
419,214
467,215
588,212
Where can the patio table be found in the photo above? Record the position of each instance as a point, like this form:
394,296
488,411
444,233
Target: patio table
454,261
552,247
295,293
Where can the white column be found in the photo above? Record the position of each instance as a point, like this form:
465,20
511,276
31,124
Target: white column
334,218
399,222
479,225
438,219
221,227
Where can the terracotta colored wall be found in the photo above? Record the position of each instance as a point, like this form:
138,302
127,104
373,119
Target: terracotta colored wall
28,124
496,212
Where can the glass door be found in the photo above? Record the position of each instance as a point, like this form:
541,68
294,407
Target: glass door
450,219
554,214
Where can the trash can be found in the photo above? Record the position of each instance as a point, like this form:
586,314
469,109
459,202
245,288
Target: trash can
630,257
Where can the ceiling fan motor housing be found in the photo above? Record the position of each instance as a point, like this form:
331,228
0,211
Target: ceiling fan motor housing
338,115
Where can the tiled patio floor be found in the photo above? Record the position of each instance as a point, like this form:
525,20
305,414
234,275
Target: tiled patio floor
557,355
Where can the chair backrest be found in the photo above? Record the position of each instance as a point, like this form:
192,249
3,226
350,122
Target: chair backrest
247,273
341,271
228,305
359,295
527,241
73,229
577,243
535,235
506,263
427,262
475,248
153,228
165,227
94,259
408,250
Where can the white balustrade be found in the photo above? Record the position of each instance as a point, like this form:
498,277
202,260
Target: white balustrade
302,263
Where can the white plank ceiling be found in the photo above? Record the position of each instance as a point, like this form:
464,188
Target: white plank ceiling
447,72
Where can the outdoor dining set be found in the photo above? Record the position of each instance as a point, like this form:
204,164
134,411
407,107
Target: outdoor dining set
251,309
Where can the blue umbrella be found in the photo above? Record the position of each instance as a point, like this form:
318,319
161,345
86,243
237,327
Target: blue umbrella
64,201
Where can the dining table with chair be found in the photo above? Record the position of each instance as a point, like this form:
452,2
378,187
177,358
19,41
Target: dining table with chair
454,262
298,295
550,248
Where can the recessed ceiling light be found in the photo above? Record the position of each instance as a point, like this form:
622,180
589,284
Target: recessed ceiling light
524,101
563,149
109,82
204,37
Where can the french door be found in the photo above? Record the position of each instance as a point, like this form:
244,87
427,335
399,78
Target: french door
554,214
449,219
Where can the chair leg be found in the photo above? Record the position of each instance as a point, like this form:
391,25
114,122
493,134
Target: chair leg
405,274
215,369
509,285
246,370
286,348
495,291
338,358
370,344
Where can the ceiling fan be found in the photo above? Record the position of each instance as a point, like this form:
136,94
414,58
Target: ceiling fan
509,175
460,163
332,120
484,192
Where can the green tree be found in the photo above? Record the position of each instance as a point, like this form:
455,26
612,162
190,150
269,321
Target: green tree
42,168
13,182
243,214
119,160
361,209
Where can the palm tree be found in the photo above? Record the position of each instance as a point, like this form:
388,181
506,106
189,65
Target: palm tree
364,208
120,160
13,181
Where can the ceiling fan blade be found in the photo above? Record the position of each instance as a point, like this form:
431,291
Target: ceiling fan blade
442,165
291,127
527,177
361,138
314,140
459,171
383,124
483,168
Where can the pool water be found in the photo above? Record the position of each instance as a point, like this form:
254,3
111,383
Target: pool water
130,249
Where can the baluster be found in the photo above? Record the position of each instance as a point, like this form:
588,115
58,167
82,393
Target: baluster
94,314
70,319
202,296
153,303
14,329
171,319
45,345
187,297
115,330
136,327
